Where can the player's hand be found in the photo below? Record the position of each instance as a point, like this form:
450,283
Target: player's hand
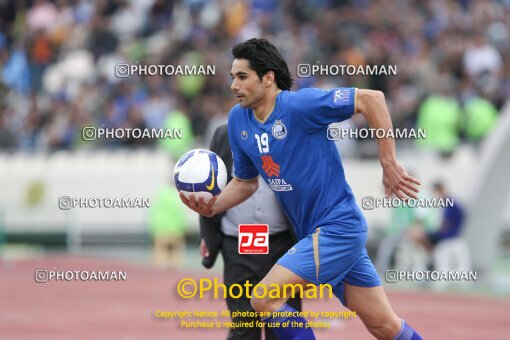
204,252
204,209
397,181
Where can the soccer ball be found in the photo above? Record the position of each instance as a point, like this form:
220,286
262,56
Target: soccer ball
200,172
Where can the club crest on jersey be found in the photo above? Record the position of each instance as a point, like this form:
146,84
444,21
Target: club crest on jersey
279,130
341,95
244,135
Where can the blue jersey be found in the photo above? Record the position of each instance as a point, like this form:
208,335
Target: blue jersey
291,151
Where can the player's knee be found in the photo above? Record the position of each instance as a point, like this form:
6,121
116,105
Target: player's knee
263,303
380,331
384,329
259,304
382,325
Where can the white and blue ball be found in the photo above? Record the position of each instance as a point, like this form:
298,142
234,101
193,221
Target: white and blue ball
200,172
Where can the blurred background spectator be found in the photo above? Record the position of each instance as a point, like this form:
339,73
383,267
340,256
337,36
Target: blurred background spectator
57,63
450,226
167,228
403,219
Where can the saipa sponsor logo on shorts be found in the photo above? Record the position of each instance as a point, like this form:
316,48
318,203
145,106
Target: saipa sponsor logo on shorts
253,239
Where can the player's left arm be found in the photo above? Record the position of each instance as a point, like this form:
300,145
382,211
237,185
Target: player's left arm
396,180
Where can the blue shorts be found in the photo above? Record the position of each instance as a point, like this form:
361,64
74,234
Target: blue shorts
329,256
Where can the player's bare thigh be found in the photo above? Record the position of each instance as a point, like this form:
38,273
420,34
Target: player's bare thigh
374,309
278,275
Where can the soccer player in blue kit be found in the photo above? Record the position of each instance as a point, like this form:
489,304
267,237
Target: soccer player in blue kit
282,135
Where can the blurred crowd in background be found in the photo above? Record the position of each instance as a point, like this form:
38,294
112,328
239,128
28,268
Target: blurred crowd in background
57,63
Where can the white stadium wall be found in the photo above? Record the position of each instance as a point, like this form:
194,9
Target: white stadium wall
123,174
141,173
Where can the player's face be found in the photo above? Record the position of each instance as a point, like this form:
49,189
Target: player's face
246,85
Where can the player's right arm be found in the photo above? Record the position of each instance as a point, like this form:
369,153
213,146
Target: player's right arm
240,188
236,192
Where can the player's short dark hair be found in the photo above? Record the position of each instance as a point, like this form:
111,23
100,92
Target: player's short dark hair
263,57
